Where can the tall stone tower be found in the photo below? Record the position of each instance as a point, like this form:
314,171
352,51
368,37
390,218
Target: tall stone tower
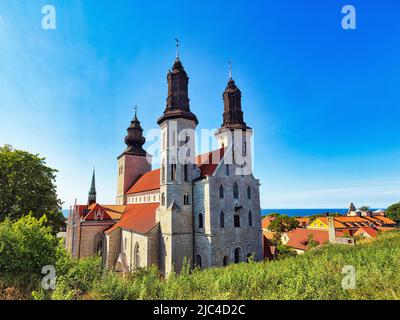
234,134
175,213
134,161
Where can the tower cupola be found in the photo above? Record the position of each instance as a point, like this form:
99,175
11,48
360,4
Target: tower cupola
135,140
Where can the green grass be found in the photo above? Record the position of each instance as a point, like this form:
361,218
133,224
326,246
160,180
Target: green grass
315,275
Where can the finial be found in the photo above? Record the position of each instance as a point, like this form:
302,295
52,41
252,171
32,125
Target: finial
135,110
230,69
177,48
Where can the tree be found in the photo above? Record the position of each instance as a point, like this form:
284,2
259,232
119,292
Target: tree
27,185
283,223
393,212
26,246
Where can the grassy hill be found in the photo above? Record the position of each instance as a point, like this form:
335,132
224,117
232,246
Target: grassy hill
315,275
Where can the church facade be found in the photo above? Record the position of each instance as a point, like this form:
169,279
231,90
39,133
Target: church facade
203,209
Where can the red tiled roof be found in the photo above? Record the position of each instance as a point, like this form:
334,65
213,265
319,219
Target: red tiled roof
368,230
94,208
298,237
208,162
147,182
140,218
266,221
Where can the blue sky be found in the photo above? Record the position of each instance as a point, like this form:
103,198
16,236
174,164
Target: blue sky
323,101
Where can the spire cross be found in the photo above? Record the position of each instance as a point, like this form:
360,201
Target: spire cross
136,110
177,48
230,69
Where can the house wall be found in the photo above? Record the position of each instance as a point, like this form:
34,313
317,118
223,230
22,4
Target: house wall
87,236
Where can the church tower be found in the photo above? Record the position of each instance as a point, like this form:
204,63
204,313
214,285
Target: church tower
134,161
234,133
177,153
92,190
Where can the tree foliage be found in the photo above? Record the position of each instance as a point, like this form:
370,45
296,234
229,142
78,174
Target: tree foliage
393,212
283,223
27,185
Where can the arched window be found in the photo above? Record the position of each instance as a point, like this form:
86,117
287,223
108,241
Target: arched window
225,261
236,220
227,169
222,219
248,193
235,191
198,261
173,172
221,191
136,255
186,172
98,244
250,219
186,199
237,255
201,221
163,199
163,171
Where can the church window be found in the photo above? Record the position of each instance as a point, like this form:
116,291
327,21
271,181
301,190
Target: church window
235,191
225,261
237,255
186,171
163,172
236,220
248,193
173,172
98,244
250,219
201,222
163,199
244,148
221,191
154,198
227,169
222,219
125,243
186,199
198,261
137,255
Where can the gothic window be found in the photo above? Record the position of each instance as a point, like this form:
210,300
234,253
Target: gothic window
236,220
222,219
225,261
227,169
186,171
201,222
235,191
163,199
248,193
221,191
244,148
250,219
173,172
125,243
237,255
136,255
186,199
198,261
163,171
98,244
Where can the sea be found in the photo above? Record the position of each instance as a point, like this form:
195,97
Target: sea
289,212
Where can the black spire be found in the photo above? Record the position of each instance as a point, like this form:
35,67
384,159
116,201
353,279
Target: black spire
178,97
233,114
92,190
135,140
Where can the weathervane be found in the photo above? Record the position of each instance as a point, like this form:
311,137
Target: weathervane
177,48
135,110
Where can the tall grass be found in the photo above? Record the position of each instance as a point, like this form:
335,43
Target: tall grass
316,274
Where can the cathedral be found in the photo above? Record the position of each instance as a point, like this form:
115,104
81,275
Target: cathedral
203,209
